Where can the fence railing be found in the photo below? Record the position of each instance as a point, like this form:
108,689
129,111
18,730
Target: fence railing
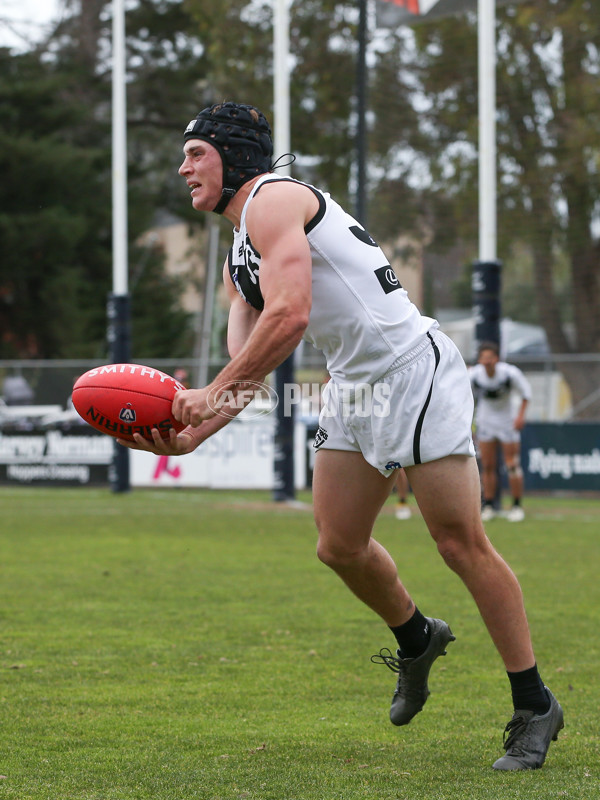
49,382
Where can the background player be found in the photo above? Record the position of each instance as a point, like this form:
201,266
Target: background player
494,383
402,490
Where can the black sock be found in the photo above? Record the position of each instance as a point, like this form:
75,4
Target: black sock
487,502
412,636
528,691
516,501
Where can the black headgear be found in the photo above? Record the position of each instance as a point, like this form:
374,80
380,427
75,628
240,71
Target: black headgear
242,136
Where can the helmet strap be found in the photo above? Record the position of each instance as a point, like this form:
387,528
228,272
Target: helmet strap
226,196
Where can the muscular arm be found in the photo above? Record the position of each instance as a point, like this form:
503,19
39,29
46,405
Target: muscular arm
519,422
257,341
524,388
260,342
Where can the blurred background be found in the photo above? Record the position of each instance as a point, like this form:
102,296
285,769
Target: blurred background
420,145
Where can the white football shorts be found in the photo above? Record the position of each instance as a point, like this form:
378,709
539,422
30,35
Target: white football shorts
492,428
419,411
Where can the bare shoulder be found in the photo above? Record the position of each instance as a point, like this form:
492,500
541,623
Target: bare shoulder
283,201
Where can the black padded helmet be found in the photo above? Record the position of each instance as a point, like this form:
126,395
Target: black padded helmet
243,138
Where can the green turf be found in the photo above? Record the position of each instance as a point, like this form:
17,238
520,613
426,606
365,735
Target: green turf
173,645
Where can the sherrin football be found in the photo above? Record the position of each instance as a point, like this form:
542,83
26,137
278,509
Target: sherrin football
123,399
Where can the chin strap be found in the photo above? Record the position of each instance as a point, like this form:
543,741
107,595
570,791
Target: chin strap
226,196
228,192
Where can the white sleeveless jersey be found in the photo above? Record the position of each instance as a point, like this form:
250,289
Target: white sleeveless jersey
361,317
493,395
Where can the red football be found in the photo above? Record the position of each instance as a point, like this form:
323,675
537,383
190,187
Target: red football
123,399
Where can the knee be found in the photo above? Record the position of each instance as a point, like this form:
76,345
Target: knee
461,552
513,467
452,552
338,556
489,468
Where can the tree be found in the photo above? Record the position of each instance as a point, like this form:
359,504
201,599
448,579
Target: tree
180,57
423,157
549,186
550,135
238,37
54,232
55,206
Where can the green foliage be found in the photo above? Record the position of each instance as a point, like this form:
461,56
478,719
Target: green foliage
548,118
166,332
55,214
164,645
237,45
55,201
54,209
323,42
518,297
238,49
424,99
55,123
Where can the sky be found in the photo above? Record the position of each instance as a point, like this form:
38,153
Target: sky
23,20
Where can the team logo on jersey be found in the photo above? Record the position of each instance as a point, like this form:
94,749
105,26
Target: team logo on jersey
361,234
320,438
387,279
127,414
252,260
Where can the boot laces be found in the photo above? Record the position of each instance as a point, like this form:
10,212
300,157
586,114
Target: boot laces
407,688
513,731
385,656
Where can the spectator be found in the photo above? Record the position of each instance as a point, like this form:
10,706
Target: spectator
17,392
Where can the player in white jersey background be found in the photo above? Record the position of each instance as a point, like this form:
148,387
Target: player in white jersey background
495,383
399,396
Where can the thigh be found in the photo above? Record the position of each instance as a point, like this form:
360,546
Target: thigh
488,454
348,494
449,496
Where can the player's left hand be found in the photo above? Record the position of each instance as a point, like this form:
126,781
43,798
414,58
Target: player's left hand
178,444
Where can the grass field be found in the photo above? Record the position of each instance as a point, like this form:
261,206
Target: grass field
166,645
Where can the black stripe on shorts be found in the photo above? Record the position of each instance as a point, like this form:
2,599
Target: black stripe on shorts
419,428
